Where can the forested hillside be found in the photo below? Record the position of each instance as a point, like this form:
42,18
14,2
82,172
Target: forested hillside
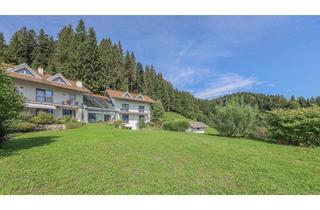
77,54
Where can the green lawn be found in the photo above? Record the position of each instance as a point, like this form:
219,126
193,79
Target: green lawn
98,159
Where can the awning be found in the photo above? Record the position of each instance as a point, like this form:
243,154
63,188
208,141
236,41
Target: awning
40,106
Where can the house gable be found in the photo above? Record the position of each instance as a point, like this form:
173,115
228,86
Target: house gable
25,70
59,78
140,97
127,95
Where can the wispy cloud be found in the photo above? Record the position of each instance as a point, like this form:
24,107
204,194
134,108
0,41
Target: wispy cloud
184,50
226,84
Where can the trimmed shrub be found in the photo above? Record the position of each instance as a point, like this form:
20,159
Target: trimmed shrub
44,118
235,119
295,126
177,125
23,126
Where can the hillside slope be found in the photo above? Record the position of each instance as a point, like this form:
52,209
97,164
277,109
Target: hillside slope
99,159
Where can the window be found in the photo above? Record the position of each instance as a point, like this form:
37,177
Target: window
72,97
125,118
50,111
69,112
58,79
44,95
125,107
141,108
106,117
92,117
24,71
141,118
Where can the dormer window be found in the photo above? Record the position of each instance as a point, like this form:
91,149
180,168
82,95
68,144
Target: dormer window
60,80
127,95
140,97
24,71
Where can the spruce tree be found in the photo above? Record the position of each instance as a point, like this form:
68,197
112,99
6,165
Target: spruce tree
43,51
61,58
3,47
130,72
21,47
91,68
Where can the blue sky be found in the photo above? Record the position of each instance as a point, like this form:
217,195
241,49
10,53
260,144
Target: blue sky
210,55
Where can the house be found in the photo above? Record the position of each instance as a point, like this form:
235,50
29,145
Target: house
50,93
98,108
197,127
130,107
63,97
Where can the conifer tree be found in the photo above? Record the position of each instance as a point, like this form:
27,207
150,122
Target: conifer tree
21,47
43,50
3,47
61,58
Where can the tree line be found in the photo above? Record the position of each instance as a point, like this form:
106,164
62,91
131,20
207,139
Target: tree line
77,54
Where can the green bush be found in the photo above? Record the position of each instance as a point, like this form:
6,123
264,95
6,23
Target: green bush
235,119
44,118
71,123
23,126
177,125
141,124
295,126
117,123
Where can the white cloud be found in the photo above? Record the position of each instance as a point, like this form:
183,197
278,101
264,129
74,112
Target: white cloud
226,84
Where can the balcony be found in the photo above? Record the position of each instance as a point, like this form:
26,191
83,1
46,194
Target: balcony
70,103
124,109
43,99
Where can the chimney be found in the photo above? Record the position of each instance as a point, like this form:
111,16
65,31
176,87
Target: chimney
79,84
40,70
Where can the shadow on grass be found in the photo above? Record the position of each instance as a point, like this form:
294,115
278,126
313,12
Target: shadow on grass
244,138
12,146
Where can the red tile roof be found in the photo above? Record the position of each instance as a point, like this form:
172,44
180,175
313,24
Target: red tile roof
120,95
43,80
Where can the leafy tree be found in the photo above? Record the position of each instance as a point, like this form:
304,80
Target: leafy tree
235,118
21,47
43,50
10,104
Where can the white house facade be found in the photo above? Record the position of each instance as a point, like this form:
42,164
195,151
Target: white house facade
130,107
62,97
50,93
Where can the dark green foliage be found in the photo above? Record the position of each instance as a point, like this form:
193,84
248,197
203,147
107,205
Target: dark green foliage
177,125
23,126
43,50
298,127
235,119
141,124
157,111
10,104
44,118
21,47
3,47
61,58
